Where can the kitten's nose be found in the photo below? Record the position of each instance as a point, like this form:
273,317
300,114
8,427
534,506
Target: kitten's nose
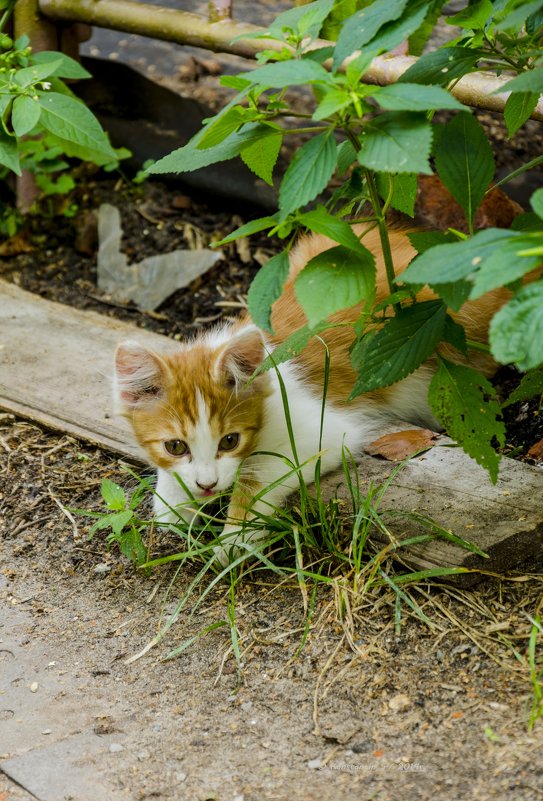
206,487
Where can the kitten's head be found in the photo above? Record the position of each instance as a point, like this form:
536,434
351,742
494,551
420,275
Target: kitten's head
192,411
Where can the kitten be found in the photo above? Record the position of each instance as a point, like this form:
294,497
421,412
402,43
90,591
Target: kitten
195,415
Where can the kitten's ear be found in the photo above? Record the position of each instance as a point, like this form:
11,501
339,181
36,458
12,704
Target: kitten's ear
139,375
243,354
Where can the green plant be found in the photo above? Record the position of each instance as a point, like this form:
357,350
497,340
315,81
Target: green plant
376,139
41,120
536,671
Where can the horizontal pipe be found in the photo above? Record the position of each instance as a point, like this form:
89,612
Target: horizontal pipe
184,27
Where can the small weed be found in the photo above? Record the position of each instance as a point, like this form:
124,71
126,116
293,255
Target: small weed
535,663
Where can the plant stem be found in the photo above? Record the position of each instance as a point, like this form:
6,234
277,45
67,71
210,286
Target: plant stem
480,346
383,233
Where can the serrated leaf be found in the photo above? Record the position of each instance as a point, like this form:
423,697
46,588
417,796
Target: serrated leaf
25,114
454,334
37,72
398,142
9,155
261,156
252,227
452,262
404,190
71,120
68,67
516,331
424,240
442,66
360,28
504,265
536,202
396,32
119,520
333,101
333,280
519,108
465,403
454,294
474,17
308,173
113,495
464,161
399,347
221,126
346,155
190,157
282,74
322,222
266,288
416,97
517,18
530,81
530,386
305,19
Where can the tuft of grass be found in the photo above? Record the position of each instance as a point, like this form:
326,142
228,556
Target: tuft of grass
536,671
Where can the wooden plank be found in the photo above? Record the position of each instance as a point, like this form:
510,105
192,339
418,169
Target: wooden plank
56,365
505,520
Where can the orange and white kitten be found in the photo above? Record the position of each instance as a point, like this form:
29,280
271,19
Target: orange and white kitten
195,416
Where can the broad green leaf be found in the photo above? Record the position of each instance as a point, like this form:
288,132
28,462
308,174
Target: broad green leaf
306,20
119,520
415,97
442,66
404,190
504,265
266,288
37,72
454,334
282,74
341,11
333,280
71,120
518,108
396,141
190,157
465,403
399,347
424,240
261,157
516,331
221,126
474,17
346,155
322,222
536,202
530,386
25,114
333,101
394,33
360,29
9,155
113,495
530,81
131,545
308,173
249,228
457,260
68,68
102,158
454,293
517,18
464,161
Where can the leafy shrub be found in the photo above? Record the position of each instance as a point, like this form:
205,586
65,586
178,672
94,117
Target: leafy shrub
377,138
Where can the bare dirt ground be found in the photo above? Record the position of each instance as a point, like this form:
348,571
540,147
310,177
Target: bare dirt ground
423,712
361,712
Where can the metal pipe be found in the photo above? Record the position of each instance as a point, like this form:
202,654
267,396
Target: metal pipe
183,27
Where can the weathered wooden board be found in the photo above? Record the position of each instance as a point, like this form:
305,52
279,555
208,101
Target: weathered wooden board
56,365
55,368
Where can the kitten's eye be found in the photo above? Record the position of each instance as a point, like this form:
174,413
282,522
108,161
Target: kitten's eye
176,447
229,442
